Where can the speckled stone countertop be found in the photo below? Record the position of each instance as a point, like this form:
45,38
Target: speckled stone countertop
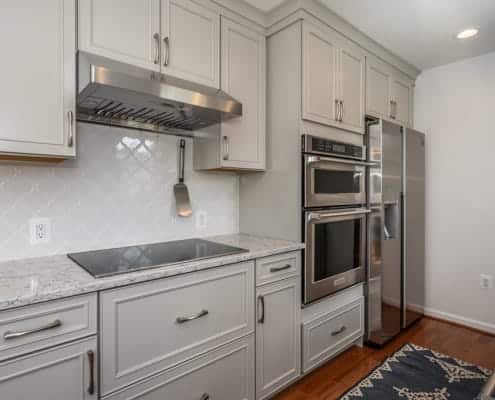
34,280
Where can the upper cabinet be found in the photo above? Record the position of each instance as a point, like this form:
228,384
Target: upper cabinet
241,142
333,80
389,94
123,30
38,42
191,42
180,38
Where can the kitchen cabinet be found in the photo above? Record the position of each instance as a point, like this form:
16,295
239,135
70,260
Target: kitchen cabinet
240,143
389,94
180,38
66,372
278,355
178,319
191,42
123,30
38,42
333,79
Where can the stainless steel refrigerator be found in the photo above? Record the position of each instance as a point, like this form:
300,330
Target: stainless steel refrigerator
396,230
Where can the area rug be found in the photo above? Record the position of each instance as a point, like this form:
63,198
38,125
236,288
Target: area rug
416,373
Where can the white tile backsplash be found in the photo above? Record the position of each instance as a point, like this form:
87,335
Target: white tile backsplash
119,191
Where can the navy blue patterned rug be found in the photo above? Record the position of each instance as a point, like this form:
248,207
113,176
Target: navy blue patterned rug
416,373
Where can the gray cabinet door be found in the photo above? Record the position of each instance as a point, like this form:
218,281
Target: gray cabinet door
64,372
278,345
38,79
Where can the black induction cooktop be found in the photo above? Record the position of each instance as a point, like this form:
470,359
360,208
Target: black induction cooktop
102,263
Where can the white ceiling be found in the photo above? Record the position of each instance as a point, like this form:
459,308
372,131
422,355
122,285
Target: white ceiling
422,32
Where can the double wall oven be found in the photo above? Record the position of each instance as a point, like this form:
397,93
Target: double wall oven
334,216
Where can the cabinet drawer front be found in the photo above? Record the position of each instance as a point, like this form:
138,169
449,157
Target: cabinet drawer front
224,374
64,372
32,328
150,327
331,333
275,268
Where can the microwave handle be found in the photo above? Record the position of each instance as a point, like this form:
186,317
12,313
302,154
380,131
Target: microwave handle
317,159
318,216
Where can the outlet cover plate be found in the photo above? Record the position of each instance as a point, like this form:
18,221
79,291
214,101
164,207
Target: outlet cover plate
40,231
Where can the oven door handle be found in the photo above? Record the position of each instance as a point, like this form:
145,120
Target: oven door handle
318,159
318,216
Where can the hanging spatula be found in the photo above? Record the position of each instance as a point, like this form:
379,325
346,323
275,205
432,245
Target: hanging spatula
182,202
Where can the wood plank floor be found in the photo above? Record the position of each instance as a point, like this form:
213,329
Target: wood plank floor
336,377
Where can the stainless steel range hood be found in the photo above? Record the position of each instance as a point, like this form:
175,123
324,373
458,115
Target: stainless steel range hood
112,93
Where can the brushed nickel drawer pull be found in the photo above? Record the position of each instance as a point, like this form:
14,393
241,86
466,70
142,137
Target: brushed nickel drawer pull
15,335
278,269
166,42
205,396
156,36
70,121
183,320
342,329
91,361
226,154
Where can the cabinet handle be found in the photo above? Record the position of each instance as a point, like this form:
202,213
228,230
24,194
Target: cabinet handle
337,110
341,110
91,361
166,42
342,329
393,109
70,121
15,335
156,36
225,148
278,269
183,320
205,396
261,300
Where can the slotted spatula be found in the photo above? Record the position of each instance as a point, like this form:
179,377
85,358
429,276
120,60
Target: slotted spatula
182,202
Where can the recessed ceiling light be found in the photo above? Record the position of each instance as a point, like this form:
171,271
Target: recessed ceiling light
467,33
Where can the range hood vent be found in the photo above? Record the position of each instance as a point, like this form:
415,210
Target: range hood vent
111,93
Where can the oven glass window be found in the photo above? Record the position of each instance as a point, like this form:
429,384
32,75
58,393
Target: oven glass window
333,182
337,248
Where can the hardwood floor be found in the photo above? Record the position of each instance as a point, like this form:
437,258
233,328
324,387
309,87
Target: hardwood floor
336,377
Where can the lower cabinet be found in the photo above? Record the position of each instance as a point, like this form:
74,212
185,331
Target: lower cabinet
278,355
67,372
223,374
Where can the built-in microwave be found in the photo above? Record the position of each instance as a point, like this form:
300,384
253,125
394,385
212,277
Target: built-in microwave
334,173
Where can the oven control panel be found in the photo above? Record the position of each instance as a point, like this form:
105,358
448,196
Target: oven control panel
313,144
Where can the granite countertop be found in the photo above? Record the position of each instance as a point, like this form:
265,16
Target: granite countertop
34,280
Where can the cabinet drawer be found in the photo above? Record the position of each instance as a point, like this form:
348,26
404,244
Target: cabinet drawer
31,328
148,328
275,268
331,333
223,374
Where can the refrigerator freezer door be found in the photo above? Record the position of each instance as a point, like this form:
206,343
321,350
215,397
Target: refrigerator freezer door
414,230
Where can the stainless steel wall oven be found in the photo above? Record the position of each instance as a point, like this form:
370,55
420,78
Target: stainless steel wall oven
334,217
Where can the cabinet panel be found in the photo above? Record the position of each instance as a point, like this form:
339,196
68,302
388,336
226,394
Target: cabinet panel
38,42
216,306
63,372
319,76
122,30
223,374
31,328
377,89
244,78
278,343
401,94
352,78
191,42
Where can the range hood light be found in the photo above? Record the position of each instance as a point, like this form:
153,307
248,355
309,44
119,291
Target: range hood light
467,33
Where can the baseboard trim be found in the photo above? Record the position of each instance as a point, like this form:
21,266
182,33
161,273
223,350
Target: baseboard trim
469,323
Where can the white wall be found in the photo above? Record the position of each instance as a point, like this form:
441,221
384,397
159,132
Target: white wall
455,106
119,191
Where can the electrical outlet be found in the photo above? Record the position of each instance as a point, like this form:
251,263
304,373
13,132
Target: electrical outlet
486,281
40,230
201,220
